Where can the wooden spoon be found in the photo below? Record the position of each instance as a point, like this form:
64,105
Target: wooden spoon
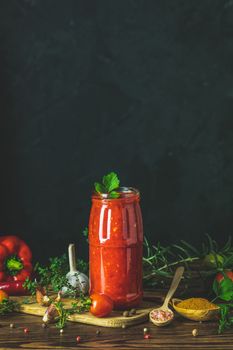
164,308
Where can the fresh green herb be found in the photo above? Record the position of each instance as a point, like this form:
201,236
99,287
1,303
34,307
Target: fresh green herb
27,301
224,291
110,183
226,319
53,276
159,262
7,306
30,286
63,315
82,305
224,288
85,233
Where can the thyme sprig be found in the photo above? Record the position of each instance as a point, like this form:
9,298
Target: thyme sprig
53,276
8,306
82,304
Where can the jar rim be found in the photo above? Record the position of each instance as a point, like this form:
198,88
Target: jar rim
124,192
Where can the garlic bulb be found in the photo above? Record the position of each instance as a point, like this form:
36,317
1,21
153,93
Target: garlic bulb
75,278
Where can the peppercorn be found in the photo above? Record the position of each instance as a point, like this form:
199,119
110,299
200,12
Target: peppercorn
97,332
26,330
78,339
195,332
12,325
145,330
147,336
126,313
123,326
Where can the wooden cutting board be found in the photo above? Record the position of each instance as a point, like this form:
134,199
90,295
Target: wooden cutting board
115,320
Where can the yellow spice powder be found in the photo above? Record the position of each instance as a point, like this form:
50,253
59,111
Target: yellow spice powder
196,304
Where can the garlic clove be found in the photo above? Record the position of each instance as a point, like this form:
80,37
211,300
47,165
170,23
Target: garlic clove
51,314
40,293
46,301
58,298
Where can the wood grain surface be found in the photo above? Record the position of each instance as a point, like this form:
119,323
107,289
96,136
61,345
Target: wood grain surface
178,335
115,320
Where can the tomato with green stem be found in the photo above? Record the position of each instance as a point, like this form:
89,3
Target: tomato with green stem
101,305
220,276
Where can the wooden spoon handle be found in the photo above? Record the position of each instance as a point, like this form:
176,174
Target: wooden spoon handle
175,282
72,259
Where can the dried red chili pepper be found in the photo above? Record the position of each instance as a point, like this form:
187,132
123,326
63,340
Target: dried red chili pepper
15,259
13,288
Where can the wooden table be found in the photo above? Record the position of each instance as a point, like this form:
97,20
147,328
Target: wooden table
177,335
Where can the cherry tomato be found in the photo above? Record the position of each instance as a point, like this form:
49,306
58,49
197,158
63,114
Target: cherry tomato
219,277
101,305
3,295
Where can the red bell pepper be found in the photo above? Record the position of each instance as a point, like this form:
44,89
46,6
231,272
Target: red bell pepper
15,260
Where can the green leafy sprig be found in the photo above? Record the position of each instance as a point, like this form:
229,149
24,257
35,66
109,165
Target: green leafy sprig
63,315
53,276
160,261
110,183
82,305
226,319
8,306
30,285
223,290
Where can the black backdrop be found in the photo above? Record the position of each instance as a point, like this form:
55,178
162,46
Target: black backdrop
143,88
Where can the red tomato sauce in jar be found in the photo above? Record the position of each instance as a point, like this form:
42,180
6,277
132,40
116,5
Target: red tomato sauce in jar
115,247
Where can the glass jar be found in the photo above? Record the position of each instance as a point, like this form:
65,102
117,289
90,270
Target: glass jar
115,247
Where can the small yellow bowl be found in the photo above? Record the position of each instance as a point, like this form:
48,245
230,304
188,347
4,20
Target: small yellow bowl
195,315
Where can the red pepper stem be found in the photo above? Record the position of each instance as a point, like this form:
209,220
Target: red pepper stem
14,265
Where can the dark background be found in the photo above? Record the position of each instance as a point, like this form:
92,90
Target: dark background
143,88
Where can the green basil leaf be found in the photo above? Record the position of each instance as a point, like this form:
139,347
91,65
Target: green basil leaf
113,195
100,188
226,289
111,181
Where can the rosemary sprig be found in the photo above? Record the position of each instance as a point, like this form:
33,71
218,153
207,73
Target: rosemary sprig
160,261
